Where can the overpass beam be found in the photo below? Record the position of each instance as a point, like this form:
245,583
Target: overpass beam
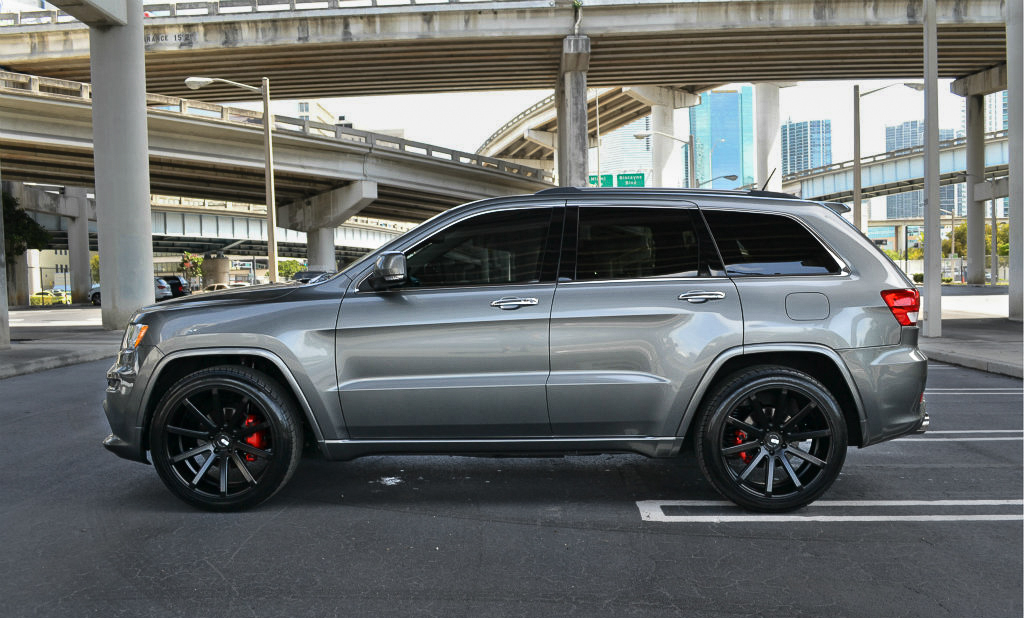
571,102
78,243
328,210
768,163
1015,100
121,155
320,249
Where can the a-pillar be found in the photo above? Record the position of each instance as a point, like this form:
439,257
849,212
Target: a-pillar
1015,102
975,174
320,249
121,155
571,100
768,161
76,200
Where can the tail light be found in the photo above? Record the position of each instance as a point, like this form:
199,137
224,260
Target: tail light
904,305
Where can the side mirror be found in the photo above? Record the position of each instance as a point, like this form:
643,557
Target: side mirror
389,270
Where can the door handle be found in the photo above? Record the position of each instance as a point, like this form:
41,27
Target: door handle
513,302
701,297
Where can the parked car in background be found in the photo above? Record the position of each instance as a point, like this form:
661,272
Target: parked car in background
179,285
161,289
63,297
49,297
94,294
213,287
765,330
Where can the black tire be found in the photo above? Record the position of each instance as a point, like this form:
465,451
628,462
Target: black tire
95,298
225,438
771,439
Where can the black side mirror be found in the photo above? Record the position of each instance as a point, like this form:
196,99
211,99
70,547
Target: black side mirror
389,270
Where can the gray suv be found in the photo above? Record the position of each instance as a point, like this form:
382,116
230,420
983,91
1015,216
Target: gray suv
764,330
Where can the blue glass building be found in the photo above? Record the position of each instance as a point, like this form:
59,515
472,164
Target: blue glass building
723,131
806,145
910,205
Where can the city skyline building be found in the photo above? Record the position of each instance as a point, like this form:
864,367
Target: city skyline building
805,145
997,118
910,205
723,130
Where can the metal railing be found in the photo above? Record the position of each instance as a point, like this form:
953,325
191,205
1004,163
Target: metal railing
236,7
885,156
283,124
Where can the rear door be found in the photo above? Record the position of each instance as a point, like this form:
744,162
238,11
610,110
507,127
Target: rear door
641,309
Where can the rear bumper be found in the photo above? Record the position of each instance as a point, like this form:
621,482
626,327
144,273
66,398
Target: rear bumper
890,381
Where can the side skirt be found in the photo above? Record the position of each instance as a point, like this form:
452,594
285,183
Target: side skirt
649,446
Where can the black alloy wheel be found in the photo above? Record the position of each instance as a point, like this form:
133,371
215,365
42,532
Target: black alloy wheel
771,439
225,438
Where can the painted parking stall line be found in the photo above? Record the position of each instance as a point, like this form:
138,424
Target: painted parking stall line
836,511
967,435
1006,391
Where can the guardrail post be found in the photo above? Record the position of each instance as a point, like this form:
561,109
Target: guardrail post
33,84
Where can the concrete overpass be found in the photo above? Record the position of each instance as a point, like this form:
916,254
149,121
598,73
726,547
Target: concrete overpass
899,171
339,48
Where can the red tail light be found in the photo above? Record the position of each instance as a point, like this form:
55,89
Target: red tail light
904,305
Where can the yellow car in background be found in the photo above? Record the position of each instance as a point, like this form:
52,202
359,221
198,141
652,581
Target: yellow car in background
50,297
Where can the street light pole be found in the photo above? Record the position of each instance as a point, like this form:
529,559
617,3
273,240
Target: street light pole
726,176
195,83
689,145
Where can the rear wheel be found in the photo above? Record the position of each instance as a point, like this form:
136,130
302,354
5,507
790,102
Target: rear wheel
225,438
771,439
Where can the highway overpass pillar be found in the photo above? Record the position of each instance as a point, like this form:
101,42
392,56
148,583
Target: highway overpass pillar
931,314
975,175
571,101
320,249
766,133
5,320
121,155
78,243
1015,102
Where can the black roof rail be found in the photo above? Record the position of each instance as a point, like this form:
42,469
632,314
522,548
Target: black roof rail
759,193
560,191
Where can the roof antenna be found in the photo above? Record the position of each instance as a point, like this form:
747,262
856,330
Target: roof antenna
767,180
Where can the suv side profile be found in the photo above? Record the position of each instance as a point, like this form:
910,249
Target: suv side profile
765,329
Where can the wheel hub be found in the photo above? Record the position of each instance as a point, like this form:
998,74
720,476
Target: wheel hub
773,441
222,441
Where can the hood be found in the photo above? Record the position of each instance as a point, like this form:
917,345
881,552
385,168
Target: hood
233,296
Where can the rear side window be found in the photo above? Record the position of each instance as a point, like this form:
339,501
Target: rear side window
634,243
766,244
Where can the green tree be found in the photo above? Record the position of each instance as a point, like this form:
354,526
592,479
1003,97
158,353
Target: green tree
287,268
21,232
915,253
94,268
191,265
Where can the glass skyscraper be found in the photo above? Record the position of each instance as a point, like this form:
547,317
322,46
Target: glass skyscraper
806,145
723,129
910,205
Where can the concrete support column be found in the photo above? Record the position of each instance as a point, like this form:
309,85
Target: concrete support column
215,270
27,277
78,243
5,320
571,101
121,154
931,311
320,249
662,147
768,161
975,175
1015,101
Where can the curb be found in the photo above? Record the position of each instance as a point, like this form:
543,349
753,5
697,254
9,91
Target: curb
970,362
55,362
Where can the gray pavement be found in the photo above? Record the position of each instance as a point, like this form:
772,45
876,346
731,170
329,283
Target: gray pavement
976,334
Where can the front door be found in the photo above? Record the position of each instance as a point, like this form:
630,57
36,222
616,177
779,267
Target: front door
461,350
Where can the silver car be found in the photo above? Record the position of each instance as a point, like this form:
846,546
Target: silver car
765,329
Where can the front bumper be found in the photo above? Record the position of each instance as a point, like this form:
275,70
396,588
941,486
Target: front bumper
124,405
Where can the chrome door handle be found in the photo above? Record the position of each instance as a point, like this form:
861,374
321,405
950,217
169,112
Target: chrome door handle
513,302
701,297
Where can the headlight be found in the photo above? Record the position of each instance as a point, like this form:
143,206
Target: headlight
133,336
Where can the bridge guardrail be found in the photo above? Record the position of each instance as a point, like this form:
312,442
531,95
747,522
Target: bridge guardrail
884,156
237,7
48,86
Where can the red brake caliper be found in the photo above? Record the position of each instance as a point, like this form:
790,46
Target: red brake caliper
256,440
740,438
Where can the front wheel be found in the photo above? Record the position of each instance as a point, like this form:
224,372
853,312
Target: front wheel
225,438
771,439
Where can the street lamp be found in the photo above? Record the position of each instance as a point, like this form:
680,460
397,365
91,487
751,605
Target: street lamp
726,176
689,145
858,216
195,83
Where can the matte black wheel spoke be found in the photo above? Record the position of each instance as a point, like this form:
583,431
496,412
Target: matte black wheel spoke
747,427
809,435
252,450
188,433
799,415
805,456
206,419
229,413
215,403
202,471
242,468
750,468
769,475
739,448
781,403
791,472
224,463
199,450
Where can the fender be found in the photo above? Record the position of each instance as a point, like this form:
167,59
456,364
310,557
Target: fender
292,383
712,372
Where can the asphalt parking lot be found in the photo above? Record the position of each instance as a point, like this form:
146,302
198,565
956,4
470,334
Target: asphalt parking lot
923,526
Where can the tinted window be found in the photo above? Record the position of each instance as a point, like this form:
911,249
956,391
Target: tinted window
497,248
763,244
631,243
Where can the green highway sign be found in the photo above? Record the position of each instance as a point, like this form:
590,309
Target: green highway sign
606,180
629,180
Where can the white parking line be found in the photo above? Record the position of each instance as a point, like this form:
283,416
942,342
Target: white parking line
654,510
930,436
